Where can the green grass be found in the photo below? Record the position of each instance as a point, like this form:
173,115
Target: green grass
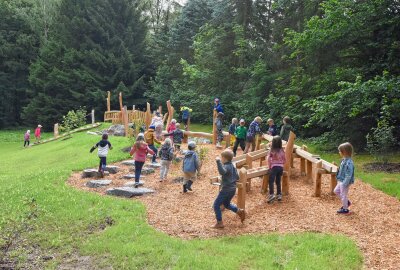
201,128
386,182
58,219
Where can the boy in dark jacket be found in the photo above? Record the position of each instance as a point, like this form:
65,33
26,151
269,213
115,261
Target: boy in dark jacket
229,177
240,134
272,130
177,137
103,146
166,154
286,128
219,122
191,166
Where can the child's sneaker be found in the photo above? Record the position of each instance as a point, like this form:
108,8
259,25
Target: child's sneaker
279,197
136,185
348,203
242,214
189,185
271,198
184,188
218,225
343,211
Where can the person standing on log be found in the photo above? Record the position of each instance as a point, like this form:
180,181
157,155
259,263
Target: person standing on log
185,115
218,106
38,133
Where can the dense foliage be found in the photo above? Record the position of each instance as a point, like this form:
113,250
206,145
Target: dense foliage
333,66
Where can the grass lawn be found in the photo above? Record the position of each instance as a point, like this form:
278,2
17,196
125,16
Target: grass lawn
38,210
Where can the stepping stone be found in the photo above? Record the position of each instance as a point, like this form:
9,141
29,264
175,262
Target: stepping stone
146,170
92,173
98,183
132,184
153,165
112,169
128,191
128,162
131,176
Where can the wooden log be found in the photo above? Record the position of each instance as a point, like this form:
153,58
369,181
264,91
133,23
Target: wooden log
125,120
147,117
257,172
120,101
289,152
215,135
264,188
317,179
241,197
285,183
333,181
170,114
56,133
227,141
92,114
309,166
249,161
198,134
108,101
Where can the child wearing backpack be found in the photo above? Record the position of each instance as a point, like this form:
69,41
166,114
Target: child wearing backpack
140,150
103,146
191,166
276,161
177,137
345,176
166,154
220,124
229,177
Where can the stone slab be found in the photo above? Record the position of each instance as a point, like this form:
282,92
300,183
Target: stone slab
132,184
98,183
88,173
128,191
112,169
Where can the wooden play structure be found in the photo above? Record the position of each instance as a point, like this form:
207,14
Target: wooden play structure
311,166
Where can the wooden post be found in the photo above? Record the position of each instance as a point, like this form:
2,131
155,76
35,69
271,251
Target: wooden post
309,171
214,127
92,116
333,181
108,101
303,162
292,162
285,183
120,101
262,160
56,134
170,114
258,141
241,197
249,161
286,167
228,141
125,120
317,179
133,108
147,117
264,188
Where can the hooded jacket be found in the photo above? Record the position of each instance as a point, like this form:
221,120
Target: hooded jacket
103,147
166,153
191,162
150,138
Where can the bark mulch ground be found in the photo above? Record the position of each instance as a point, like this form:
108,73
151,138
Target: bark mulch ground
374,222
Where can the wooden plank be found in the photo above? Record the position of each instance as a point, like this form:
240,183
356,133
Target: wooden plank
257,172
333,181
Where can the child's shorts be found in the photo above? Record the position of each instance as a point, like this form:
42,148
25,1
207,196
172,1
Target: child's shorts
249,139
189,176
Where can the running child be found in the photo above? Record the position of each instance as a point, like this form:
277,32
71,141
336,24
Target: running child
166,154
27,138
103,146
191,166
140,150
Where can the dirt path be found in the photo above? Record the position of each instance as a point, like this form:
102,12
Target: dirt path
374,223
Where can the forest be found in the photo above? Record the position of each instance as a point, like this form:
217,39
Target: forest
332,66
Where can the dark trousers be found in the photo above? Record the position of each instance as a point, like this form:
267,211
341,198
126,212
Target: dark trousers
103,163
275,175
238,142
224,198
138,170
26,143
152,147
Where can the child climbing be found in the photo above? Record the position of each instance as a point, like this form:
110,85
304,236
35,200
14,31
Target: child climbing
253,130
166,154
240,134
286,128
345,176
38,132
218,105
140,150
177,137
219,122
150,139
191,165
229,177
103,146
276,160
185,115
27,138
232,129
272,130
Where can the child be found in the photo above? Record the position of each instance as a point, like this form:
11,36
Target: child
104,145
38,133
185,115
232,129
240,134
276,161
166,154
271,128
229,177
140,150
253,130
220,124
345,176
27,138
172,127
191,165
150,138
177,137
158,124
218,105
286,128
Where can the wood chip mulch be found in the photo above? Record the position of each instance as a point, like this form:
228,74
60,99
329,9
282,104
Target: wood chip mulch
374,222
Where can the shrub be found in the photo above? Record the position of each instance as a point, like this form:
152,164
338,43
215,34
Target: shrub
381,142
73,119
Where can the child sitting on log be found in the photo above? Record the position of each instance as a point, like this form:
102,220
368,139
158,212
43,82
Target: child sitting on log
140,150
345,176
229,177
232,129
240,134
191,166
177,137
166,154
276,160
103,146
220,124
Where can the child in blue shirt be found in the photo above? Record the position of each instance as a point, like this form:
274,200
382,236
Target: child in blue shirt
345,176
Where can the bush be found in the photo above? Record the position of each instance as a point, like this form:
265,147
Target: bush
73,119
381,142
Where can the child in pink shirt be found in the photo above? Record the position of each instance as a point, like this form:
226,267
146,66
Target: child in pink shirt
38,133
171,128
140,150
27,138
276,160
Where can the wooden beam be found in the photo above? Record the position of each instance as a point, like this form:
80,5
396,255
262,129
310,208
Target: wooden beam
317,179
286,167
147,117
285,183
257,172
264,188
249,161
198,134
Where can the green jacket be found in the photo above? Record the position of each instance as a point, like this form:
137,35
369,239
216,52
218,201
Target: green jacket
241,132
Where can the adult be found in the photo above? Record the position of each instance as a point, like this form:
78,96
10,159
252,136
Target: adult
38,133
218,106
253,130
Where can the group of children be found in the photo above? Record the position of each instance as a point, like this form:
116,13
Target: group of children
27,136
